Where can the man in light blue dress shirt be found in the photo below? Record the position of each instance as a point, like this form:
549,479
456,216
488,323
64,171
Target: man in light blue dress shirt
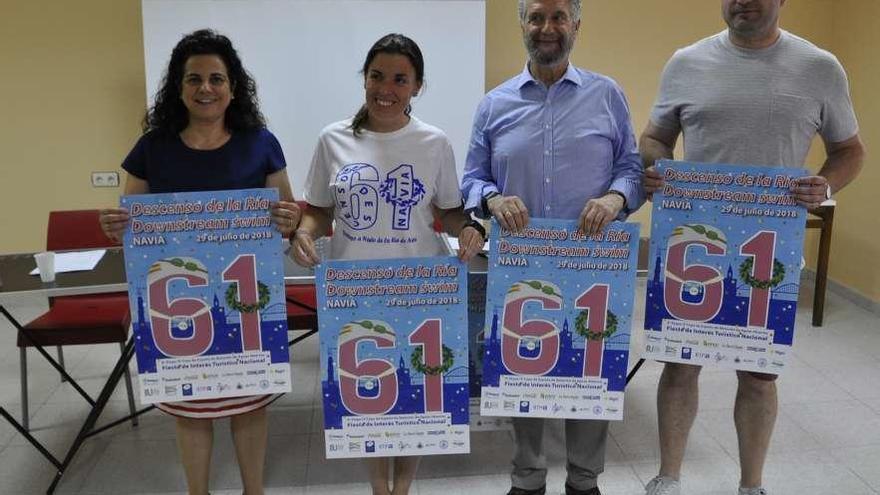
555,141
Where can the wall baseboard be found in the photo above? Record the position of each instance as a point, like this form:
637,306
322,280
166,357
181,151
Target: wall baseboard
847,293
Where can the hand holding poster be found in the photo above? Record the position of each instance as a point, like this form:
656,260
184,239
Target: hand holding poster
206,286
394,357
726,244
559,314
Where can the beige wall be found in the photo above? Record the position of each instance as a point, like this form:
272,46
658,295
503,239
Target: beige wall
856,248
78,97
71,94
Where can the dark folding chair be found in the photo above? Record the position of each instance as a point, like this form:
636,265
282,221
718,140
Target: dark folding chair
302,304
76,320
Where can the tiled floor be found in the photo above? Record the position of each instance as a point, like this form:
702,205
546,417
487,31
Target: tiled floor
827,439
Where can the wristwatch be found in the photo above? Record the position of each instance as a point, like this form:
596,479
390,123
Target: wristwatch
612,191
485,202
476,225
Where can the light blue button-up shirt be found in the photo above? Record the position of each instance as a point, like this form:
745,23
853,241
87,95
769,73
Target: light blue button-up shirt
555,148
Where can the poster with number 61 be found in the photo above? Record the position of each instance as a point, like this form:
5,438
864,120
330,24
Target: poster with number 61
206,287
558,319
725,263
394,356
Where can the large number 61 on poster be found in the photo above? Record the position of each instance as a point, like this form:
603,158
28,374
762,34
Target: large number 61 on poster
394,356
726,245
558,319
206,286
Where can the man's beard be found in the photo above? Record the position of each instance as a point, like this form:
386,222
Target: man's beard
749,28
549,58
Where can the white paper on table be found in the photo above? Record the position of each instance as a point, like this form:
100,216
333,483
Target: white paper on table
78,261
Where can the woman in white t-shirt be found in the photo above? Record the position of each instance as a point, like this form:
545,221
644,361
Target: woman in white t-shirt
380,179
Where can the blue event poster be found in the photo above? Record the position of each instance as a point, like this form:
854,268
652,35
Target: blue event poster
206,285
725,263
559,314
394,356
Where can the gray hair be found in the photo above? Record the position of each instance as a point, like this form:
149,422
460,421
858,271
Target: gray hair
573,5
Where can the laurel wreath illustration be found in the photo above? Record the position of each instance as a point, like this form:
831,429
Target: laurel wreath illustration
710,234
186,265
387,192
537,285
370,326
580,326
416,361
233,302
745,273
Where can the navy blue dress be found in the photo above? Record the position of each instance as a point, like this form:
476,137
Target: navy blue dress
168,165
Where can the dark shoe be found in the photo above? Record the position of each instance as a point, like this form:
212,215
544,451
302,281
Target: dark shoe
522,491
570,490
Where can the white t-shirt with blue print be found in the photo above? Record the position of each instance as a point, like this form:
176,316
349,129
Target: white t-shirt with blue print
382,187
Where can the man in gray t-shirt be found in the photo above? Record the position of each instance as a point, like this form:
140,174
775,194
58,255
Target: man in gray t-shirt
755,95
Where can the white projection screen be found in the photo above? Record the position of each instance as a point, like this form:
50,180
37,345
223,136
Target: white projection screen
306,56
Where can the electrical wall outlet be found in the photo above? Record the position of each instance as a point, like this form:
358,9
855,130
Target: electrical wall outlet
105,179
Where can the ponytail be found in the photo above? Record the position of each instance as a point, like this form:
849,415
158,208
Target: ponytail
360,118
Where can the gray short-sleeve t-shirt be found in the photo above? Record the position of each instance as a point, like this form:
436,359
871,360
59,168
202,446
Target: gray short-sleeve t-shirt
755,107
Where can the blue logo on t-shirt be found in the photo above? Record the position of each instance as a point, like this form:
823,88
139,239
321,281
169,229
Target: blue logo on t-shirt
402,190
356,195
358,198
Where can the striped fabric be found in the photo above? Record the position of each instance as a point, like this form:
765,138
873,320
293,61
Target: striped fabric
217,408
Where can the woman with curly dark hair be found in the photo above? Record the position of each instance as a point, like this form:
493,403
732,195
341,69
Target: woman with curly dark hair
205,132
169,111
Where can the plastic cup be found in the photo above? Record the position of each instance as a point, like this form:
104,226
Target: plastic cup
46,265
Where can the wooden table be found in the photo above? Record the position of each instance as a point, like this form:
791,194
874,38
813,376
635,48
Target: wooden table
823,219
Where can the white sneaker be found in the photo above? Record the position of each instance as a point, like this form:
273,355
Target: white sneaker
752,491
663,485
